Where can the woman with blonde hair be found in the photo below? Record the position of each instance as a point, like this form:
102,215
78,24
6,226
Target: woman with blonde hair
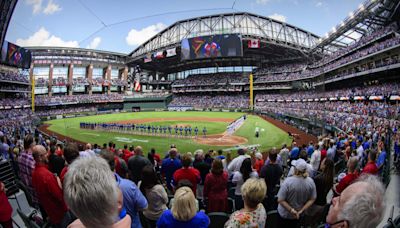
183,212
253,214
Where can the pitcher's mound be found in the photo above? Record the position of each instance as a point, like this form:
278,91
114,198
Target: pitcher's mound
221,140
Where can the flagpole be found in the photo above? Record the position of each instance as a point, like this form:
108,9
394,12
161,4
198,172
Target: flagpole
251,91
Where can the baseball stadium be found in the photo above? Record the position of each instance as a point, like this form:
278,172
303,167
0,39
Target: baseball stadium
221,117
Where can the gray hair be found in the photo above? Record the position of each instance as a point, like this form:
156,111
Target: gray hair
91,192
366,208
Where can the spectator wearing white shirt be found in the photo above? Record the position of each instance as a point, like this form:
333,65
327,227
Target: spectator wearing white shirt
236,163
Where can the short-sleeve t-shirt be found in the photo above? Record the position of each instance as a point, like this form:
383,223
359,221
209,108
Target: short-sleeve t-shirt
200,220
238,180
296,191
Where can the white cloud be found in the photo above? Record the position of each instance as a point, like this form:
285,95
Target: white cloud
51,8
37,5
136,37
95,43
43,38
38,8
319,4
278,17
262,2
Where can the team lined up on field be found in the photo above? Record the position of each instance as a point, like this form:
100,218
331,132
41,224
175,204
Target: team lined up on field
178,131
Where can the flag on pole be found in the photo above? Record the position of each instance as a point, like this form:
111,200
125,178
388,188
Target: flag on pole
171,52
253,43
137,86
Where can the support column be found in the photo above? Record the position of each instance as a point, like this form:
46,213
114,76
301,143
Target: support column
89,75
70,73
125,79
50,93
108,78
32,82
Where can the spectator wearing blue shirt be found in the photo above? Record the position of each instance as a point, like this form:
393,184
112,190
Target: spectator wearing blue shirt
310,149
381,159
170,165
133,199
183,212
294,153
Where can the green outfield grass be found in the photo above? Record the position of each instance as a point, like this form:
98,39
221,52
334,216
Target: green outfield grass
270,135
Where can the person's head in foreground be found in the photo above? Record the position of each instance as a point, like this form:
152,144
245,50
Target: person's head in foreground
361,205
253,192
184,207
92,194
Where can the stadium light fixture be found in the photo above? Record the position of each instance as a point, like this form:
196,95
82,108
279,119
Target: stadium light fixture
361,7
351,15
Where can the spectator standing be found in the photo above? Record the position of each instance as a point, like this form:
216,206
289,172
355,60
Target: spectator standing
253,214
169,166
71,153
284,154
296,194
136,164
48,187
215,191
371,167
26,165
351,176
56,163
361,205
188,173
323,183
5,209
183,212
133,199
272,174
236,163
239,177
155,194
258,164
92,194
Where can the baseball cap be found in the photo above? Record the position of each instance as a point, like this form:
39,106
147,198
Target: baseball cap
300,164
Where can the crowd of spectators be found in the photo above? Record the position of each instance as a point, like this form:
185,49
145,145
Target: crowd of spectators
14,87
65,111
181,189
80,81
209,101
211,79
366,39
12,102
311,72
79,99
15,77
384,89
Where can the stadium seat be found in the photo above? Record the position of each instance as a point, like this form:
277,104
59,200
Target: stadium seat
231,205
26,219
272,219
8,178
231,192
218,219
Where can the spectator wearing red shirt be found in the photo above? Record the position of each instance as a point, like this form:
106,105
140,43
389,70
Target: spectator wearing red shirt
59,150
48,187
5,209
156,157
351,176
71,152
188,173
215,190
127,154
258,164
371,167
